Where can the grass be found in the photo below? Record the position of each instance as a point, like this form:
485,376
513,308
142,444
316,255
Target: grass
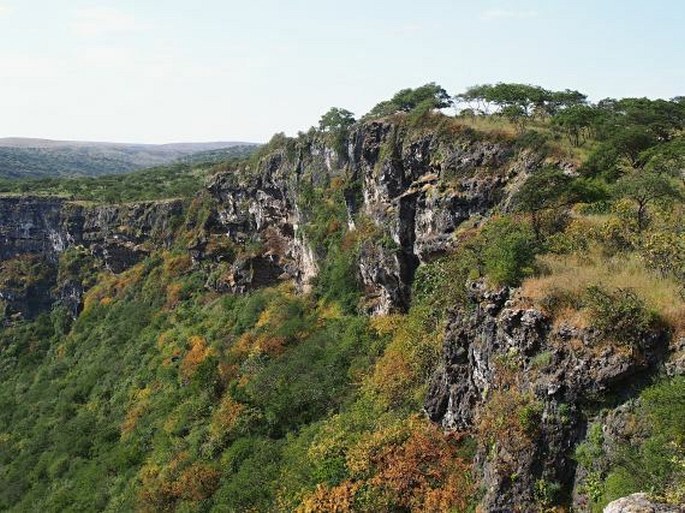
569,276
556,145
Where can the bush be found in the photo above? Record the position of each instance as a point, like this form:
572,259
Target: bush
508,253
619,315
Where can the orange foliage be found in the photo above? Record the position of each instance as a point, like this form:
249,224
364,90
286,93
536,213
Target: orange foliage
262,343
333,227
338,499
225,416
112,286
141,403
416,471
197,354
177,265
409,465
162,487
228,371
197,482
173,294
155,496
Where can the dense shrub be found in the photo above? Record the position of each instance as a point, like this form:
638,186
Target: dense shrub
508,252
620,315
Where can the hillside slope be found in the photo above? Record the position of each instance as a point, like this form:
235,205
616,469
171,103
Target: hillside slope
34,158
410,313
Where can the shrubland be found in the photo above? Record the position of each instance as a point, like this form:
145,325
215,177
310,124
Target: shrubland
164,395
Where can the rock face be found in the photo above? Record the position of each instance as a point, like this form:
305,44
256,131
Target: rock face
117,233
416,189
415,186
508,374
640,503
33,229
260,209
419,188
31,226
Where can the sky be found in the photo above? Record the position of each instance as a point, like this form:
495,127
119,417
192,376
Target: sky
207,70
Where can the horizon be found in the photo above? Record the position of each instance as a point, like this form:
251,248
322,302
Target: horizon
132,73
125,143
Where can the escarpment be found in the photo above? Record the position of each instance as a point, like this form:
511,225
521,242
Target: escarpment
525,386
414,187
38,231
393,198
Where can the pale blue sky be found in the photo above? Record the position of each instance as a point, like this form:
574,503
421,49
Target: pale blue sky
174,70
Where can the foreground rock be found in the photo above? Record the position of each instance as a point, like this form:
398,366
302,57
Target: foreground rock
520,384
640,503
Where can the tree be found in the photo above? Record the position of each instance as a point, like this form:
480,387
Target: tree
668,158
546,189
336,119
630,142
516,114
562,100
508,251
429,96
431,93
576,122
645,187
519,102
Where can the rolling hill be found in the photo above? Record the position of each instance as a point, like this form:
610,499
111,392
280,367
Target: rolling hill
38,158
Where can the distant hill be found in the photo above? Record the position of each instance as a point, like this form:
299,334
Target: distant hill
39,158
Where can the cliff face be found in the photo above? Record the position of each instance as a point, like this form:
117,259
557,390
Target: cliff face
502,357
416,188
419,188
40,230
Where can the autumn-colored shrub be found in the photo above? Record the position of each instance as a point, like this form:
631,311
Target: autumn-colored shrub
197,482
197,353
409,465
409,359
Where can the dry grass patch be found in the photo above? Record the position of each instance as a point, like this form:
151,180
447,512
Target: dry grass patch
566,278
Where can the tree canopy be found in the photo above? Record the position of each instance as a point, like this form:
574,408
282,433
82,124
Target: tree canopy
336,119
431,96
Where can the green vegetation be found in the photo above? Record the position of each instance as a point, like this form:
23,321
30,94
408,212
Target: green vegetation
176,181
41,159
428,96
653,461
164,395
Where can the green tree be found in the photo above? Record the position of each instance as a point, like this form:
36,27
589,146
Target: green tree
336,119
667,158
576,122
546,189
645,188
430,96
508,251
630,142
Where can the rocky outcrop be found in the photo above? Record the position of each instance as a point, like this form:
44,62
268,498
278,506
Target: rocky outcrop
640,503
520,383
416,186
259,214
31,226
116,233
40,230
